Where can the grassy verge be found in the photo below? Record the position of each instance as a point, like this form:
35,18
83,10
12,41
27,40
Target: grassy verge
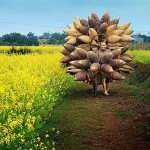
80,120
139,80
77,118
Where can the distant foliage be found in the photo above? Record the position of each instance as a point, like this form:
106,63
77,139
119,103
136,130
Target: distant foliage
45,35
32,39
146,38
56,38
14,39
17,39
52,38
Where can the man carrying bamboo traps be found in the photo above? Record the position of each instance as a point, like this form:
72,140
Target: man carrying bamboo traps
95,50
99,78
106,84
96,75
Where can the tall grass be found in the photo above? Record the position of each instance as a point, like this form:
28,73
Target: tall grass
140,77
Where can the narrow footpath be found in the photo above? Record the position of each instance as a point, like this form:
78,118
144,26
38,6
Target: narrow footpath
120,121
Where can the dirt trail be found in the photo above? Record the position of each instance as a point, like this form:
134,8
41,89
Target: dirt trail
115,122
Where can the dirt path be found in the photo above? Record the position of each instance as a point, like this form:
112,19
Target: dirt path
115,122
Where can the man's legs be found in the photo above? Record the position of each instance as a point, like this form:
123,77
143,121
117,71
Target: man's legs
105,86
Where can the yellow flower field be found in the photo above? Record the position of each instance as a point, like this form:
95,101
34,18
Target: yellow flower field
34,49
141,56
30,85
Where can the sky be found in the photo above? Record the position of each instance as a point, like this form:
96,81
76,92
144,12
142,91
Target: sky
40,16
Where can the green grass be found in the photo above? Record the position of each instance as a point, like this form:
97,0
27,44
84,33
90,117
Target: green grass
140,77
80,117
75,120
123,114
71,118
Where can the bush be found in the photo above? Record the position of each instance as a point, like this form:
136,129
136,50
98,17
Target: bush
20,51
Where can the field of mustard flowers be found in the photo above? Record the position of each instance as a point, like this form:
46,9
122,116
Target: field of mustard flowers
30,85
32,49
142,56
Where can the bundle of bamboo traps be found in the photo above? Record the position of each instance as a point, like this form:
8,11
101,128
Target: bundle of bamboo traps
97,45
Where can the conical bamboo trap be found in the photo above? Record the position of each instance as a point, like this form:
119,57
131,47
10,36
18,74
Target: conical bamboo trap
97,45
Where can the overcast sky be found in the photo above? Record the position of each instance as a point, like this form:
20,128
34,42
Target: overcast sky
40,16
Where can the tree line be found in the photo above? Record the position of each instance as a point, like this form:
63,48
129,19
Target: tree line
145,37
18,39
52,38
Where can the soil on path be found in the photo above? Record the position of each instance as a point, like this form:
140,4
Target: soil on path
120,121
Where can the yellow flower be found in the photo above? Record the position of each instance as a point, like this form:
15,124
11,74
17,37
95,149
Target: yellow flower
36,145
41,143
28,105
7,139
58,132
38,138
22,140
46,135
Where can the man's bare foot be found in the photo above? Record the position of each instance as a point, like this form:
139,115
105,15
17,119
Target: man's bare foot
106,93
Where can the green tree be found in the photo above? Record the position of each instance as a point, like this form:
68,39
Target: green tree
56,38
1,41
32,39
45,35
14,39
145,37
